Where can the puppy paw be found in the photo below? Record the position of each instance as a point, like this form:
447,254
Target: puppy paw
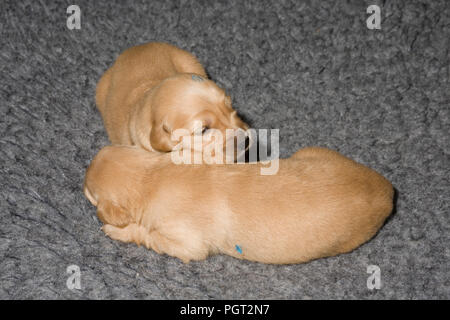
130,233
174,247
116,233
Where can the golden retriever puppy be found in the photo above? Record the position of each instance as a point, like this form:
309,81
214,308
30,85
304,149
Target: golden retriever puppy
319,204
156,88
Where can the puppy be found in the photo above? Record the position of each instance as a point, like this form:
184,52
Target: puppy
319,204
154,89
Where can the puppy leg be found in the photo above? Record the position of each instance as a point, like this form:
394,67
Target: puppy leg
112,214
183,249
130,233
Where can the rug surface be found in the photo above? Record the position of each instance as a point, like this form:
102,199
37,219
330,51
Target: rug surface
312,69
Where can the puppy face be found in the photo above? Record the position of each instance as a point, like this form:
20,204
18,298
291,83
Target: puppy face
183,101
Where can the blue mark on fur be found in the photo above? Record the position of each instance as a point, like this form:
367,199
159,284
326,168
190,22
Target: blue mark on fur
197,78
239,249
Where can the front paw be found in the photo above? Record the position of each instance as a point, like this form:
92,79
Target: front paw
113,232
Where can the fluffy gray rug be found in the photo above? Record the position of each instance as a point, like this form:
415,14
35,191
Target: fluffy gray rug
312,69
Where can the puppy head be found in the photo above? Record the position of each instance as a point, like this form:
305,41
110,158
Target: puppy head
112,183
181,102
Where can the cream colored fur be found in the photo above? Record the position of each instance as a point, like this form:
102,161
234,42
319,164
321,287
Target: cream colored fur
156,88
319,204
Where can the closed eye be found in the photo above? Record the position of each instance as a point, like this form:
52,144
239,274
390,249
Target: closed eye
166,129
206,128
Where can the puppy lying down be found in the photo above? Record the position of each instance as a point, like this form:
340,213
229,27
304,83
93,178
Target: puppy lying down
156,88
319,204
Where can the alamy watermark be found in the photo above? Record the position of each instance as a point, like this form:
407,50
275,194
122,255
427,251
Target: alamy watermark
74,280
74,20
374,280
374,20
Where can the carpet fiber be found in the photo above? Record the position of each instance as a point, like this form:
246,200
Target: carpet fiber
311,69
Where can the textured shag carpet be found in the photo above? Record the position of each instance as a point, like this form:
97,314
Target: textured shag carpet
309,68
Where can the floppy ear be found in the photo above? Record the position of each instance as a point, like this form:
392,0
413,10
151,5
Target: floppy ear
160,136
160,139
140,124
110,213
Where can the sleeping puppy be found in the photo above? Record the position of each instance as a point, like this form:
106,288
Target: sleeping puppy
154,89
319,204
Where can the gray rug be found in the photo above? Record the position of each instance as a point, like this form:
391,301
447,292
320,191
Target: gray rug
311,69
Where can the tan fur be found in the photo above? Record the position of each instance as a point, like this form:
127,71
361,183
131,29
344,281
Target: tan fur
149,92
319,204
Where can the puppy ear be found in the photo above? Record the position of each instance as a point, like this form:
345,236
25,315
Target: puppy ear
110,213
160,139
140,124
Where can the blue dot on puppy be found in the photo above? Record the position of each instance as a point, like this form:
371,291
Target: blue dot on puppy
238,249
197,78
